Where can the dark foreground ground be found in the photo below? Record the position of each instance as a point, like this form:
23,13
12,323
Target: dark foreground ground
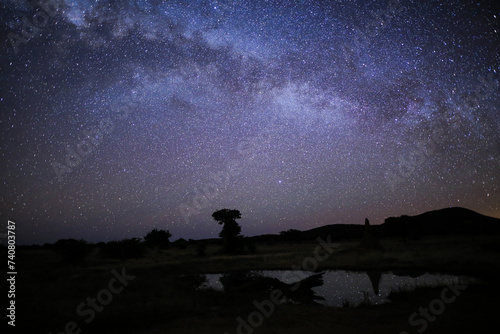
150,296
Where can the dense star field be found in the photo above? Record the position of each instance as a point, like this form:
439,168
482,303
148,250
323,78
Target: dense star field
118,117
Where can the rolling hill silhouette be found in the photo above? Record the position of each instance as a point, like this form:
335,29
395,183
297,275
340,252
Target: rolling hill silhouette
336,231
448,221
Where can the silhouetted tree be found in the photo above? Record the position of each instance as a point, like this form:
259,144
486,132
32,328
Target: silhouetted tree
230,230
157,238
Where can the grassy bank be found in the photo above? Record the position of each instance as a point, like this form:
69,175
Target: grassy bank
158,300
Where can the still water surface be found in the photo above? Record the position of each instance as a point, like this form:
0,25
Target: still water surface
337,288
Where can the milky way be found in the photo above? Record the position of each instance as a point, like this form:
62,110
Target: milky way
118,117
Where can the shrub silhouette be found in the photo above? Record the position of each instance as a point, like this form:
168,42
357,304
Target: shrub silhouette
124,249
157,238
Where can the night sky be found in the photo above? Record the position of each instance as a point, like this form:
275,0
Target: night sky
118,117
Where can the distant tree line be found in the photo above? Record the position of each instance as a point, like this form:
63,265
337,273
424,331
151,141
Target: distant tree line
75,251
448,221
231,242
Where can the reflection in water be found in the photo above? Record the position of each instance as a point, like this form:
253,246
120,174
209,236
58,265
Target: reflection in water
375,277
300,292
330,288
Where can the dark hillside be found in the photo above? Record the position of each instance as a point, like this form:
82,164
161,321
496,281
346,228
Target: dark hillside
449,221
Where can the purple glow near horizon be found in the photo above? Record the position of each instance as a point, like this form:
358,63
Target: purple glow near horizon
120,117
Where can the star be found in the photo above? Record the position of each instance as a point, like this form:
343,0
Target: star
118,117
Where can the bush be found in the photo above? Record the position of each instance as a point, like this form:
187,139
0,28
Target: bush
157,238
124,249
